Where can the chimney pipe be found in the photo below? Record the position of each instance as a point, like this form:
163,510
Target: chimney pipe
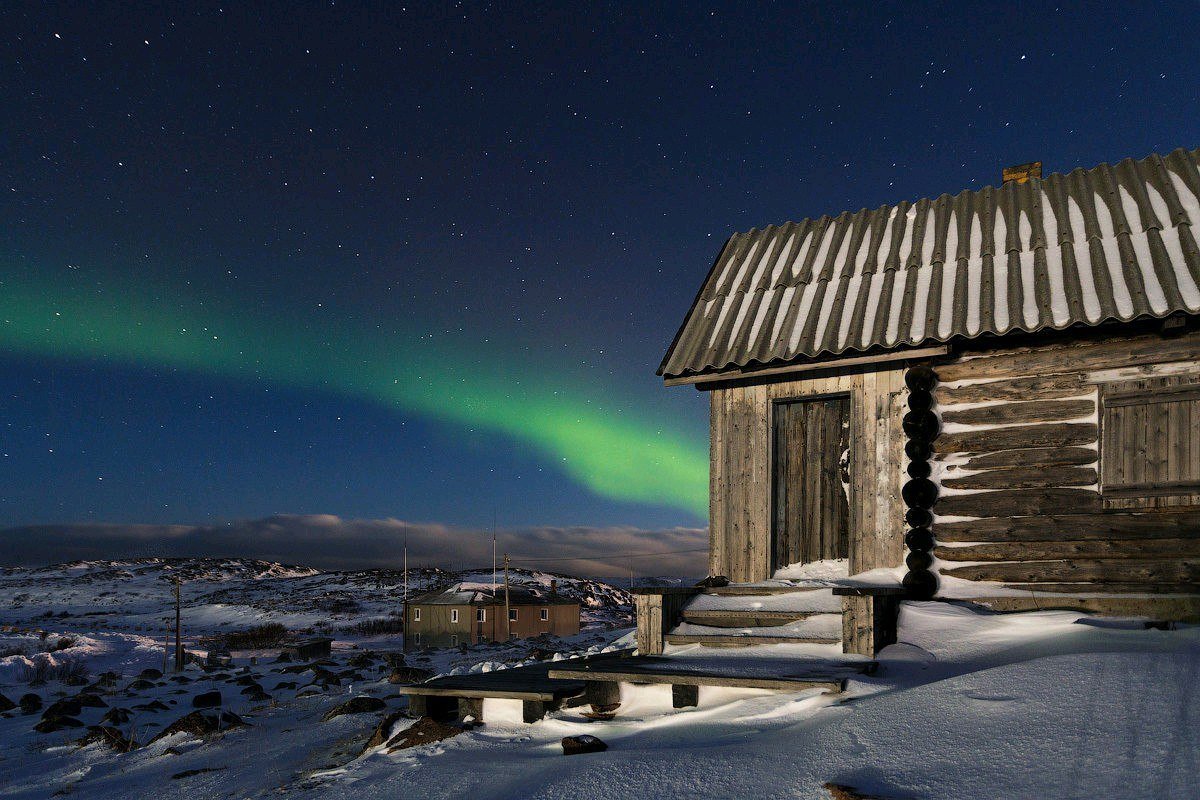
1021,173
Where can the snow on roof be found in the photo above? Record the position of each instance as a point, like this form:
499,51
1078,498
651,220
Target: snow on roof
463,594
1113,243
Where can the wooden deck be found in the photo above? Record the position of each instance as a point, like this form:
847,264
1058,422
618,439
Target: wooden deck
685,675
459,696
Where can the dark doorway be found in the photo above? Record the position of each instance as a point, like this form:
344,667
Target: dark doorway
810,515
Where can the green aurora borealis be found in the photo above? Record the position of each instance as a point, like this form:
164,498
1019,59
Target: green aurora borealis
621,455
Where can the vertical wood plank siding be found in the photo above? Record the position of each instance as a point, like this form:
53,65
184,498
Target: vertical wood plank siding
741,453
1145,423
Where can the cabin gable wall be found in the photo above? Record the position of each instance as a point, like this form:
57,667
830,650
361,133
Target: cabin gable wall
740,513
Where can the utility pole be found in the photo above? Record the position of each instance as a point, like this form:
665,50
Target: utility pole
178,629
166,644
507,612
493,555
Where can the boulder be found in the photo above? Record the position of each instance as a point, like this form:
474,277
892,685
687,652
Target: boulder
140,685
252,687
89,700
153,705
30,703
426,730
201,724
150,674
246,680
116,716
108,736
67,707
713,582
257,695
576,745
363,704
408,675
6,704
52,724
383,730
207,699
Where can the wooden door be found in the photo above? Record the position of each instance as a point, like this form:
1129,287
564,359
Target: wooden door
811,515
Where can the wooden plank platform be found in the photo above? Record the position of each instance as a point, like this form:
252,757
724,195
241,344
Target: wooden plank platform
829,675
453,696
739,589
743,640
749,618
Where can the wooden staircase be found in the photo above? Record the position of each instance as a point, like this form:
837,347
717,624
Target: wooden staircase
749,615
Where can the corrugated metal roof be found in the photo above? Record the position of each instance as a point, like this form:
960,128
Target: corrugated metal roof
1113,243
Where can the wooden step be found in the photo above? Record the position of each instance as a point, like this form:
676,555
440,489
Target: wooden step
738,589
745,640
748,618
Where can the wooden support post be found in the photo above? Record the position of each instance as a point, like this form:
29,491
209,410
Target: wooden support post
685,696
869,622
532,710
603,694
417,707
470,707
442,709
657,614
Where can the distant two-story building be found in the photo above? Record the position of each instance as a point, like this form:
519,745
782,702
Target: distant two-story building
464,615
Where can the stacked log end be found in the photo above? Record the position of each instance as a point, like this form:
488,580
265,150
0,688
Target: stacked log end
921,426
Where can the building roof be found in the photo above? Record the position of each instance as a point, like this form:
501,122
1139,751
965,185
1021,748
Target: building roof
473,596
1112,243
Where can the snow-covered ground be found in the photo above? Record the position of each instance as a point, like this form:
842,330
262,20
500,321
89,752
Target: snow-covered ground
969,705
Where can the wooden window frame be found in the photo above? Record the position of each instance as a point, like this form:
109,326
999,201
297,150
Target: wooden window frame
416,614
544,614
1150,495
480,615
454,615
512,615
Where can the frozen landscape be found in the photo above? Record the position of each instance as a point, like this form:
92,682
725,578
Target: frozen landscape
968,704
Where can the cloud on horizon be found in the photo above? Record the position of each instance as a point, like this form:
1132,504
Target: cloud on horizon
330,542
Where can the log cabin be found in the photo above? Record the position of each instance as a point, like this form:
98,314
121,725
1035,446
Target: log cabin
991,396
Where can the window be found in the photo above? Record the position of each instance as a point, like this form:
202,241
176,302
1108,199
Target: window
416,638
480,615
453,640
1150,443
454,615
417,614
512,615
544,614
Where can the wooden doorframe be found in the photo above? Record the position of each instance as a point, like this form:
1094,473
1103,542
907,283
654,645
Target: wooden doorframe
851,500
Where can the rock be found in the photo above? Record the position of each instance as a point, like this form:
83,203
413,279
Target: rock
6,704
52,724
383,730
187,773
251,688
283,658
88,700
541,654
310,690
246,680
153,705
150,674
363,704
576,745
409,675
285,685
108,736
180,679
75,680
30,703
361,660
140,685
423,731
394,660
257,695
201,724
108,679
207,700
713,582
67,707
116,716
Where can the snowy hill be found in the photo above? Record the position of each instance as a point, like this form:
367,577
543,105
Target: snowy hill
219,594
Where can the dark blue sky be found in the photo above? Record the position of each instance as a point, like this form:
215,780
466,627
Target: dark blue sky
539,191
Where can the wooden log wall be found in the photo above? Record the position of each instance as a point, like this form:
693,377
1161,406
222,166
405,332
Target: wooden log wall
740,470
1019,465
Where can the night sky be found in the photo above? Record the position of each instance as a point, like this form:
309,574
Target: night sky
422,263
